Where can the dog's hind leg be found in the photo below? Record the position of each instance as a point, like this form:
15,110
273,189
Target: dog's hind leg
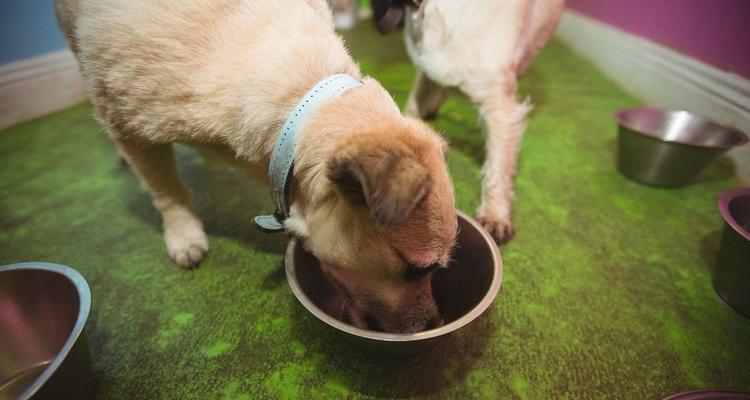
505,119
425,98
155,165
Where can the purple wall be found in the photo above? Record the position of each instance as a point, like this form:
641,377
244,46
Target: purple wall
716,32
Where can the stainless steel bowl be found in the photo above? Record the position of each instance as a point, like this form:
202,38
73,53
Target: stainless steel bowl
463,291
711,394
669,148
731,276
43,351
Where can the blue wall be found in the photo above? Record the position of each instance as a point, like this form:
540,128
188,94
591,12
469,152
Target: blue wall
28,28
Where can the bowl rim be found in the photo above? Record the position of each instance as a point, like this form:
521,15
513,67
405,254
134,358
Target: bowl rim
620,119
464,320
705,393
724,201
84,307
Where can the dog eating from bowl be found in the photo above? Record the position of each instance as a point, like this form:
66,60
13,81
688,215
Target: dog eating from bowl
369,192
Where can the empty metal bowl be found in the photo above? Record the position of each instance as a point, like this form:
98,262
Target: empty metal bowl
669,148
732,272
43,351
463,291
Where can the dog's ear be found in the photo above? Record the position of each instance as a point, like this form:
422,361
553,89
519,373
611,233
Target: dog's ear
390,182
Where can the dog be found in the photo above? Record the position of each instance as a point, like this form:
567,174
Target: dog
370,194
481,48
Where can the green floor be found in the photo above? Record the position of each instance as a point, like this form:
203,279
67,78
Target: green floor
606,294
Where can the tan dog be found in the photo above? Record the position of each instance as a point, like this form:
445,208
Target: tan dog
480,47
371,198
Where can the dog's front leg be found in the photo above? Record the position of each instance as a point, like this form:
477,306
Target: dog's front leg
425,98
505,121
183,231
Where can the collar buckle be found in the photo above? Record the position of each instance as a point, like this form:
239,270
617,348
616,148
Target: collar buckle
268,223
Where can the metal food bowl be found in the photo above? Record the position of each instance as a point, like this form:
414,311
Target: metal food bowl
732,273
711,394
43,351
463,291
669,148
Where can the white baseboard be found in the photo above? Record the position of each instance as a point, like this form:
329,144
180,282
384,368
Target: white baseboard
37,86
662,77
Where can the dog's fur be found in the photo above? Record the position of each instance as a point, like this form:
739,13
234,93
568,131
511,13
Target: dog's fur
371,198
481,47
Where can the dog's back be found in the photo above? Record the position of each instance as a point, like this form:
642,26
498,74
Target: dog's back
170,70
66,11
454,40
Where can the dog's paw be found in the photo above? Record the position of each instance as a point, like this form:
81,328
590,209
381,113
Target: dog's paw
186,245
501,229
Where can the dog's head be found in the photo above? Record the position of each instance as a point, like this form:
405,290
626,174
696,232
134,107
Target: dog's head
384,222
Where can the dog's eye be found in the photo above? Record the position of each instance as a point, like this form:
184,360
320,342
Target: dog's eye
414,272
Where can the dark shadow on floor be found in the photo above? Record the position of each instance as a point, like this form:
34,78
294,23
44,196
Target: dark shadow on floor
463,134
276,278
710,249
470,147
97,339
225,198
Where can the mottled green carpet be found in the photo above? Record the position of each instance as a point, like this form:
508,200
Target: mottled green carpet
607,289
